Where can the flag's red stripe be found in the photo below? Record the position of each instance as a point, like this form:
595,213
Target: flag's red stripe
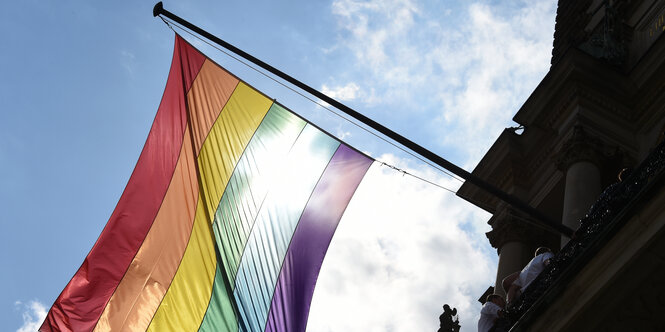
81,302
148,277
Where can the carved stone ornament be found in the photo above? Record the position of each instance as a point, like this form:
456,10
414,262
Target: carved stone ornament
580,147
607,42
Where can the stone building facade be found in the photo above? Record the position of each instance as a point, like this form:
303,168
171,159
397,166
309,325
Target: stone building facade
599,109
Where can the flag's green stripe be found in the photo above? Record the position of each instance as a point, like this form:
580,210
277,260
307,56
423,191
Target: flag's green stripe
221,315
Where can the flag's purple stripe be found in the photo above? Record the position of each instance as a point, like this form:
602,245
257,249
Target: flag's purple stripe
300,269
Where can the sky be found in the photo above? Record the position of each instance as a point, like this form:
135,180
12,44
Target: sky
80,83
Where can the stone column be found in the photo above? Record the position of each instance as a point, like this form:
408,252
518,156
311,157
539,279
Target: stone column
512,257
515,241
579,160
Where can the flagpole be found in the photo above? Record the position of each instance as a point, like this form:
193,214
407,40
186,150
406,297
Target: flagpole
510,199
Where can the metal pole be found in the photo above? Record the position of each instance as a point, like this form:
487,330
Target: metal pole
510,199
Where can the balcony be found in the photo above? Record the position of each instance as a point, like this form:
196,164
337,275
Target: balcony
610,275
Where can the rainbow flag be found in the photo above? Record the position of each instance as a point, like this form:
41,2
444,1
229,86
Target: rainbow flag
225,221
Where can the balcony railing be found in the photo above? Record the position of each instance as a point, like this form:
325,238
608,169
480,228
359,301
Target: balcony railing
607,215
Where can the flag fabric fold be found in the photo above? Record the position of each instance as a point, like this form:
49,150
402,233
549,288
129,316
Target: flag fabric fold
225,221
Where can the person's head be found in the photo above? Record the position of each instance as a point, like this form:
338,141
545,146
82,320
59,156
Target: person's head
541,251
496,299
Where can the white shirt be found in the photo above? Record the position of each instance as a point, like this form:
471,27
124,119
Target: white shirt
488,314
532,270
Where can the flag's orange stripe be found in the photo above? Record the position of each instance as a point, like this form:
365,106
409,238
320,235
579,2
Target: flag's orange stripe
143,287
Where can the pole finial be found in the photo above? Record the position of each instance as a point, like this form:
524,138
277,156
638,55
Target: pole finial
159,7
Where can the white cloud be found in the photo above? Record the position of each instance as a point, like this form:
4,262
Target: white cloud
343,93
403,247
402,250
34,314
469,72
128,61
377,33
343,134
503,58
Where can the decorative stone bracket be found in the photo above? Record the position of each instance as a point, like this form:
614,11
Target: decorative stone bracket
509,226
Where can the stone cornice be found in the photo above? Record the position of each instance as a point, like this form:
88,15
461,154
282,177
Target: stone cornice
494,168
577,77
571,17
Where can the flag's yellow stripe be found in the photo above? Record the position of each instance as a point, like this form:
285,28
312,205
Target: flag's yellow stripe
185,303
143,286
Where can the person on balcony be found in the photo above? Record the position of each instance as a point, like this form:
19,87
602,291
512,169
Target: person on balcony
491,311
515,283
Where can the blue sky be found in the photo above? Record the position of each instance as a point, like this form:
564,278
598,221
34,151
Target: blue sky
81,82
